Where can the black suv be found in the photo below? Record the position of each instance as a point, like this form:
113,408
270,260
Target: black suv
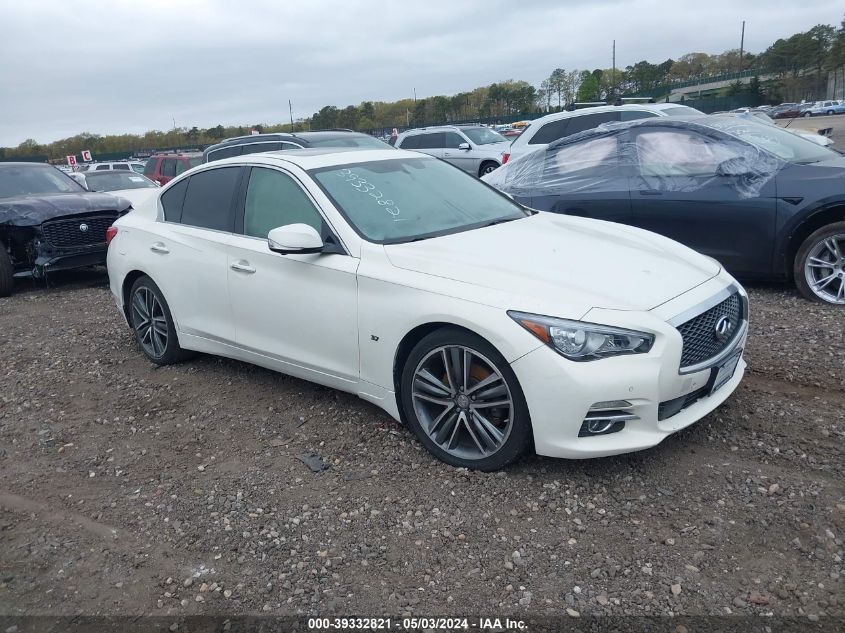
273,142
49,222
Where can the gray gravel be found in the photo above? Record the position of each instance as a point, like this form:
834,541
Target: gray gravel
131,489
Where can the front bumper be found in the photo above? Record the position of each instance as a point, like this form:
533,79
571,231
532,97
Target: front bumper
560,393
53,260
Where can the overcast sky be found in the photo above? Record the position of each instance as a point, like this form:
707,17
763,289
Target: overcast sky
120,66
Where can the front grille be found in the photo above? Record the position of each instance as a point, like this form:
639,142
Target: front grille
699,333
81,231
672,407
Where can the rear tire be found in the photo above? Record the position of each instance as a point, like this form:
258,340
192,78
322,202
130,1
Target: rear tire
830,112
486,168
807,115
7,271
470,413
819,266
152,323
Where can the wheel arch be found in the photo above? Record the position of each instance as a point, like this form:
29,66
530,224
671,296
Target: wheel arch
488,161
414,336
128,281
828,214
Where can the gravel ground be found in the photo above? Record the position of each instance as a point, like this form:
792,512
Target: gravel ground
131,489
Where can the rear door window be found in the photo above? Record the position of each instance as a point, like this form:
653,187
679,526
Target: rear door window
411,142
208,200
590,121
168,167
122,166
150,167
254,148
225,152
102,167
432,141
171,201
551,131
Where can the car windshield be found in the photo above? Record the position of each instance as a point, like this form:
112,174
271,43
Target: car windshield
352,140
116,180
483,135
775,140
406,199
26,180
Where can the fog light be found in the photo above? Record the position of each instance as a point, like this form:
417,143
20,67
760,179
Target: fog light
599,426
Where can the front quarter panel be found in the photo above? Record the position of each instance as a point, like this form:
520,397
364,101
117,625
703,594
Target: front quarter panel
393,302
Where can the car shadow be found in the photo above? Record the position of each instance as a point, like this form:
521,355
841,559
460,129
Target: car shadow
62,281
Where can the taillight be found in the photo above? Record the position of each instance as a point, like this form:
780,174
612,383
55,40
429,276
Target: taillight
505,157
111,233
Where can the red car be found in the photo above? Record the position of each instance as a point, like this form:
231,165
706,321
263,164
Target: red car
163,168
786,111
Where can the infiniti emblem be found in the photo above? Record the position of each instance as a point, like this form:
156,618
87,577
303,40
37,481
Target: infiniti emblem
83,227
723,329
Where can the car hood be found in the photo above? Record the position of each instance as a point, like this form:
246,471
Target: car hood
33,210
567,261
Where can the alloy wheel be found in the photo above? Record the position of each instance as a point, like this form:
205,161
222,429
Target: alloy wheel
462,402
824,269
150,322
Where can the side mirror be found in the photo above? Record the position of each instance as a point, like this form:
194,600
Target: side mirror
466,146
294,239
733,167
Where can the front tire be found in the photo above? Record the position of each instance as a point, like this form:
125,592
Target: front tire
819,266
462,400
487,168
807,115
7,272
152,323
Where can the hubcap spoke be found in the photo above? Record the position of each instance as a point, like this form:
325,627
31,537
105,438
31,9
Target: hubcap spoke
451,386
150,322
433,385
824,269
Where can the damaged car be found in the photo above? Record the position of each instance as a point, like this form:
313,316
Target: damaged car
49,222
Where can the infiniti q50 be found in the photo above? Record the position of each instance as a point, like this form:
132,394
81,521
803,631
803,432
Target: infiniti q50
485,327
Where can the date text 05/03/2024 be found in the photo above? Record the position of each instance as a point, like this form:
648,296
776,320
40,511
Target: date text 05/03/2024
415,624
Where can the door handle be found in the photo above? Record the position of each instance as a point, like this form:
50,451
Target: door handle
242,267
158,247
650,192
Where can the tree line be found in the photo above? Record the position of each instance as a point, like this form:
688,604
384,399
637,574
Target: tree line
797,65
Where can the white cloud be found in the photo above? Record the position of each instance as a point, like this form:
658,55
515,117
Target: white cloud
123,66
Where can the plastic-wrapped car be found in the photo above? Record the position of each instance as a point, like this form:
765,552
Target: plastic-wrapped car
765,203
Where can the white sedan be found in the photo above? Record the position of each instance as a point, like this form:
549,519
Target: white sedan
485,327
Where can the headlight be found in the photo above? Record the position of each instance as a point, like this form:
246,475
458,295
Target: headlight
583,341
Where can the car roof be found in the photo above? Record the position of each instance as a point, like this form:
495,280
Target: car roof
313,158
435,128
176,155
23,163
636,107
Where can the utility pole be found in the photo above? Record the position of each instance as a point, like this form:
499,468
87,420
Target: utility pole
290,107
613,72
741,46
